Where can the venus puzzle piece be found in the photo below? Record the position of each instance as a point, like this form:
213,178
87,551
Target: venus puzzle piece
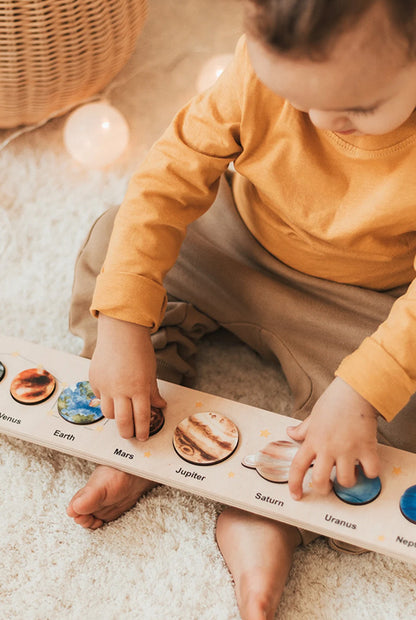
32,386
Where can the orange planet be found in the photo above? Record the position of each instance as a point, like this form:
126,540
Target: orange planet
205,438
32,386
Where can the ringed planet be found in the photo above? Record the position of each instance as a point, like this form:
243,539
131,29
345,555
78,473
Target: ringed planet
273,461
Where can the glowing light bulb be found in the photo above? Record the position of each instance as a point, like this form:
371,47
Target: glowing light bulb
96,134
211,71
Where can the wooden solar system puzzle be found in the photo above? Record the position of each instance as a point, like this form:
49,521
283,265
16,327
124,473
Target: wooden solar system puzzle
204,444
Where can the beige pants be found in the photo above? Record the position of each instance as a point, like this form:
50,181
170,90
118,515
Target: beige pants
224,277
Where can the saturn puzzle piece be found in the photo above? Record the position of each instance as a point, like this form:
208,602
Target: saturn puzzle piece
273,461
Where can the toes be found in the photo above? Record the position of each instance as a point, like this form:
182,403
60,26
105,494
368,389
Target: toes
88,500
88,521
107,495
83,505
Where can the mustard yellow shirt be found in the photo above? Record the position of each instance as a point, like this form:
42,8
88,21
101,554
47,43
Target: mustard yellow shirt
337,207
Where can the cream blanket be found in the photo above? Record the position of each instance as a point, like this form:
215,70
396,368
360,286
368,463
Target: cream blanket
159,561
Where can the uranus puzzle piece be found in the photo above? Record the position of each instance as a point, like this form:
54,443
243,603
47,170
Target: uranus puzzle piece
364,491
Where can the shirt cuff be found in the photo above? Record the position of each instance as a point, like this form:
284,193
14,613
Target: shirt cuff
129,297
374,374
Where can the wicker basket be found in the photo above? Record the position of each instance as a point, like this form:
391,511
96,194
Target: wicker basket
56,53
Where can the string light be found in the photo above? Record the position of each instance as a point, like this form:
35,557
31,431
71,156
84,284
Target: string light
211,71
96,134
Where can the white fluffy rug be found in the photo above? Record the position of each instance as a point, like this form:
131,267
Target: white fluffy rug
160,560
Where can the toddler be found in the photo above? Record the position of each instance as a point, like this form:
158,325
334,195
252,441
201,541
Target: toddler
305,253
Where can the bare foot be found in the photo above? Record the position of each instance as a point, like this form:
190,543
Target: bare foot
107,495
258,553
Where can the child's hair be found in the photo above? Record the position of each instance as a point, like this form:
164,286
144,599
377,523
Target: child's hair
309,27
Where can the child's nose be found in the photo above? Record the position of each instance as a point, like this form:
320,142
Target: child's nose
333,121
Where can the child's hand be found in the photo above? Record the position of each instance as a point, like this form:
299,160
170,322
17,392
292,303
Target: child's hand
123,375
341,430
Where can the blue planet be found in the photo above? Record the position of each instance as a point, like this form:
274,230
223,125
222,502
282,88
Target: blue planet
364,491
2,371
79,405
408,504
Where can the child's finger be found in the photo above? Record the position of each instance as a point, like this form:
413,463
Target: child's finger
371,464
346,471
298,469
94,388
321,474
298,433
107,407
157,399
141,415
124,416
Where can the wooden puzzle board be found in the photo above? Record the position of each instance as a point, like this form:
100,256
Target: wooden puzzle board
377,526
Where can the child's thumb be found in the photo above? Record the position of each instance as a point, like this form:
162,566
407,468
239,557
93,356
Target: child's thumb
157,400
298,433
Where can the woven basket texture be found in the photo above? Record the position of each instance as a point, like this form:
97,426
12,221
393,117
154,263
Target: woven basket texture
56,53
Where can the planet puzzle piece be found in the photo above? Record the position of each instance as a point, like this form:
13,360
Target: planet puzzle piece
79,405
408,504
273,461
32,386
205,438
364,491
